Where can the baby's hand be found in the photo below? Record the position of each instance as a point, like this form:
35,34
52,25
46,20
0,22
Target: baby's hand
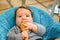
30,26
24,34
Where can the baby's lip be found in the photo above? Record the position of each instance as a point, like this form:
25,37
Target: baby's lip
24,21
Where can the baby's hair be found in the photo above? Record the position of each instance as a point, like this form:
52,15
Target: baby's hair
24,8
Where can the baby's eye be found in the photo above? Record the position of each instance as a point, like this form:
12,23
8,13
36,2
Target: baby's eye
19,16
27,15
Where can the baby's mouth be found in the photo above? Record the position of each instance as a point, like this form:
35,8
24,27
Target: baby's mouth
24,21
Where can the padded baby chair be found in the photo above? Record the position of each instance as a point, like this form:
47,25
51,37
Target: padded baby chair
7,21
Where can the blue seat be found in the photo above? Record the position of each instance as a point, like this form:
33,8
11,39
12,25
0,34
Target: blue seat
7,21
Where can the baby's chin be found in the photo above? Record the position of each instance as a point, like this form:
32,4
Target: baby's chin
26,21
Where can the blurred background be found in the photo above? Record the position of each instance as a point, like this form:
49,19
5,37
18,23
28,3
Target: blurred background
50,6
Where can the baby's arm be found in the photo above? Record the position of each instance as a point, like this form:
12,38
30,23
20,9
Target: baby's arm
13,36
35,27
40,29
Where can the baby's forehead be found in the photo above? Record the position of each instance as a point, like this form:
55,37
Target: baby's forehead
23,10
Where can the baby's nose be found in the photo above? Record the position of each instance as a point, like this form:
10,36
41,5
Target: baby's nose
23,18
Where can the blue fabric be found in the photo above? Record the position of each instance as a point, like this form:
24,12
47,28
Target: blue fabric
7,21
54,32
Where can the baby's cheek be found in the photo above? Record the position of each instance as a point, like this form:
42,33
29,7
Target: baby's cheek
18,23
30,20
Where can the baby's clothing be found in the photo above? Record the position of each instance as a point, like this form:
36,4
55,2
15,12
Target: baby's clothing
15,33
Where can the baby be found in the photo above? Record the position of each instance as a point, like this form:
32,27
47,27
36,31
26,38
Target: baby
23,15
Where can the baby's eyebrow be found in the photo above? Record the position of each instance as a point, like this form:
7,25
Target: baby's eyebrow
19,15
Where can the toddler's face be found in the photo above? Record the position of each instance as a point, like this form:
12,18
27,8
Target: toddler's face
23,16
